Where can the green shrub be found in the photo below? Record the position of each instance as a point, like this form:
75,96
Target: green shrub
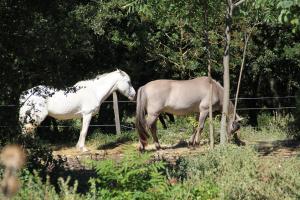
133,177
296,125
33,188
239,173
193,190
266,120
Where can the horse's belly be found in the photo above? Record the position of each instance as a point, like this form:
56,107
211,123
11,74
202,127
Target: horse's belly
65,116
181,110
62,113
72,106
61,108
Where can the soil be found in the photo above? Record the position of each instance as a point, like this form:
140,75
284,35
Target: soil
74,159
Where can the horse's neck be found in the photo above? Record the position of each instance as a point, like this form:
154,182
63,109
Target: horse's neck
104,86
230,108
220,91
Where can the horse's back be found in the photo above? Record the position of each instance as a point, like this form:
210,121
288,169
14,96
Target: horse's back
193,89
180,96
40,91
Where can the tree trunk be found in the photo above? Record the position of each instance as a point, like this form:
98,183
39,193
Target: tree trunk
226,78
207,44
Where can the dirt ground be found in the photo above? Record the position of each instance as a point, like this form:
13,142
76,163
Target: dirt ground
73,159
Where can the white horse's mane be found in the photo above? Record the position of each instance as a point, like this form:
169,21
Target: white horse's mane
88,81
100,76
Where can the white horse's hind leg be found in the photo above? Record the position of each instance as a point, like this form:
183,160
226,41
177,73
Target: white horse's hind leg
86,119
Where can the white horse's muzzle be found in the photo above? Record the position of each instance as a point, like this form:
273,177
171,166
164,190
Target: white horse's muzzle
28,128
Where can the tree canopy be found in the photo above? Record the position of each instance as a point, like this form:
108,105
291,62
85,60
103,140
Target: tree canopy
60,42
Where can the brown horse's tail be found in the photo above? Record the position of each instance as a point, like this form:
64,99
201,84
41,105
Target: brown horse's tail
141,116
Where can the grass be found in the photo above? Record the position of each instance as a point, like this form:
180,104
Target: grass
269,129
226,172
101,140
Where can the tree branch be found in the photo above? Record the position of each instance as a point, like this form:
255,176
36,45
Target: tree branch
238,3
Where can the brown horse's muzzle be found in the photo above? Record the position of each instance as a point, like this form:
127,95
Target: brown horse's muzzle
235,126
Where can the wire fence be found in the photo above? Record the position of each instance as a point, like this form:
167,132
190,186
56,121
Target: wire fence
131,127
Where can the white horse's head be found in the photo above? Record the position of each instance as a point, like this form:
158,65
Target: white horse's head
124,85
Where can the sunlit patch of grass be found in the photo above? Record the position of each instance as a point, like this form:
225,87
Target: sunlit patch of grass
101,140
270,129
182,129
263,134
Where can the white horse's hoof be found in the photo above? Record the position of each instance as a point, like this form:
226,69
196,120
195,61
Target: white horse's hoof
82,149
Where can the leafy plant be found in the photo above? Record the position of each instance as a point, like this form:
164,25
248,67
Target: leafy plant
133,177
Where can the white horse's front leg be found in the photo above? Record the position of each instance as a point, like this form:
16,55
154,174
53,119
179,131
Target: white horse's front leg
86,119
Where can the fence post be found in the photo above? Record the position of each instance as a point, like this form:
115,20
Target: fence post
116,111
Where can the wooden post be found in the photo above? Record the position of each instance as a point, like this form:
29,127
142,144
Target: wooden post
116,111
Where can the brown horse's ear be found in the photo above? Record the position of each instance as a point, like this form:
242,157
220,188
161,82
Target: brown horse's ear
238,118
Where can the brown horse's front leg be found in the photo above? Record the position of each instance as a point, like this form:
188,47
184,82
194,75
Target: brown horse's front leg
191,141
201,122
192,138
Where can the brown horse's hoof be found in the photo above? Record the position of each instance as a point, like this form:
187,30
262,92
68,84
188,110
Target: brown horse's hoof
157,146
141,148
241,143
196,144
190,142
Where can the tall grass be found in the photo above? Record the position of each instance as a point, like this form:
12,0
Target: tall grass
226,172
239,173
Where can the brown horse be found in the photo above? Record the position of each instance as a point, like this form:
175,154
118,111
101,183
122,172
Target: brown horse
179,97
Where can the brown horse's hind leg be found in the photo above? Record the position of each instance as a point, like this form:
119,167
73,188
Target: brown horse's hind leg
151,122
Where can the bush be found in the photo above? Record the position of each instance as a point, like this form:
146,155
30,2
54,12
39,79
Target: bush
296,124
33,188
133,177
240,174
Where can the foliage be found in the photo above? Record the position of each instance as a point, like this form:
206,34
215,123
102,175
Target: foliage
226,172
290,13
133,177
240,174
34,188
296,123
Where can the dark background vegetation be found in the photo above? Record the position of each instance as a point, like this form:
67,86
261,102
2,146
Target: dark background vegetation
60,42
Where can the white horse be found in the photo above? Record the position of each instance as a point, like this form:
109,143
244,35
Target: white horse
82,100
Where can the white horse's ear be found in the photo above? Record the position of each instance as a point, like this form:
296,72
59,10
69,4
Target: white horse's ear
122,72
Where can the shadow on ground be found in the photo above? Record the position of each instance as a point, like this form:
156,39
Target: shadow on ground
285,148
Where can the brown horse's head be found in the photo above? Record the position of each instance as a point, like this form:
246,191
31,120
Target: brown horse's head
233,125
